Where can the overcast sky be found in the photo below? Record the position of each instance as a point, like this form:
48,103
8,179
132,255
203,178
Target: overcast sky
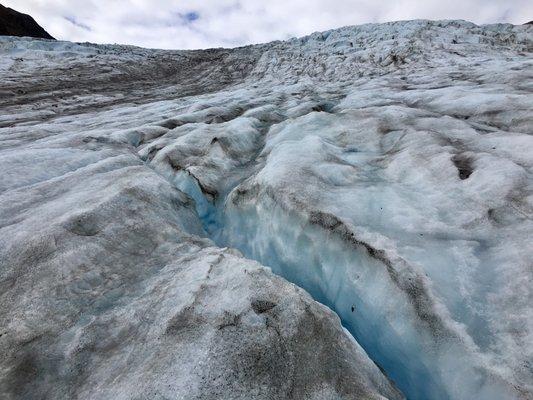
188,24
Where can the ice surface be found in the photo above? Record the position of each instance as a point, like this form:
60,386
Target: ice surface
109,290
385,169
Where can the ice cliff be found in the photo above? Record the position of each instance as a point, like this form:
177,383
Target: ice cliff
382,172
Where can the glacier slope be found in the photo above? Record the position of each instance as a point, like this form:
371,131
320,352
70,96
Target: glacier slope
386,169
109,291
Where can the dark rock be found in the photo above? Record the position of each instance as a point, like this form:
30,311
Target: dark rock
14,23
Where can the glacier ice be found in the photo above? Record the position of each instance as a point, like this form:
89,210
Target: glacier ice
385,169
109,290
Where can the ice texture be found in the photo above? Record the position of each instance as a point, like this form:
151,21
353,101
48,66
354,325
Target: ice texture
385,169
110,291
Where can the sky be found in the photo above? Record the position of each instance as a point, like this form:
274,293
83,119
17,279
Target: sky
193,24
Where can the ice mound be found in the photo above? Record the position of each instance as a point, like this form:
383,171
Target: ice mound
110,291
385,169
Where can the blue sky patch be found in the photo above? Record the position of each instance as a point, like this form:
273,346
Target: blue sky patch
75,22
191,16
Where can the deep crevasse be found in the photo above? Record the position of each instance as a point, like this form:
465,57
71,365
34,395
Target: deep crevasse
358,287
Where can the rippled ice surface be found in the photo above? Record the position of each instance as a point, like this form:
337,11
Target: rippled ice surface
386,169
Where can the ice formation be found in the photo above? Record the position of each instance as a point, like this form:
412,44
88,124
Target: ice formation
384,168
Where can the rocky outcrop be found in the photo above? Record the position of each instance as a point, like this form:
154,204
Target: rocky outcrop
14,23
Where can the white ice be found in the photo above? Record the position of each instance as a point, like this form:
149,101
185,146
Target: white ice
386,169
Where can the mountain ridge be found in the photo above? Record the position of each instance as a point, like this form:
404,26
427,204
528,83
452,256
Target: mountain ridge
14,23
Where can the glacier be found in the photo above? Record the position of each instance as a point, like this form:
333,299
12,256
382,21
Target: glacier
156,204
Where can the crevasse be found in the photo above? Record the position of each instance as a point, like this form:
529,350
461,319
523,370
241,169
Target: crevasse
353,284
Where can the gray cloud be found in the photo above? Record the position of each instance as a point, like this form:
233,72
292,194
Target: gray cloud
187,24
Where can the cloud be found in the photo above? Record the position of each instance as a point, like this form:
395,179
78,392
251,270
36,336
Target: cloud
188,24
